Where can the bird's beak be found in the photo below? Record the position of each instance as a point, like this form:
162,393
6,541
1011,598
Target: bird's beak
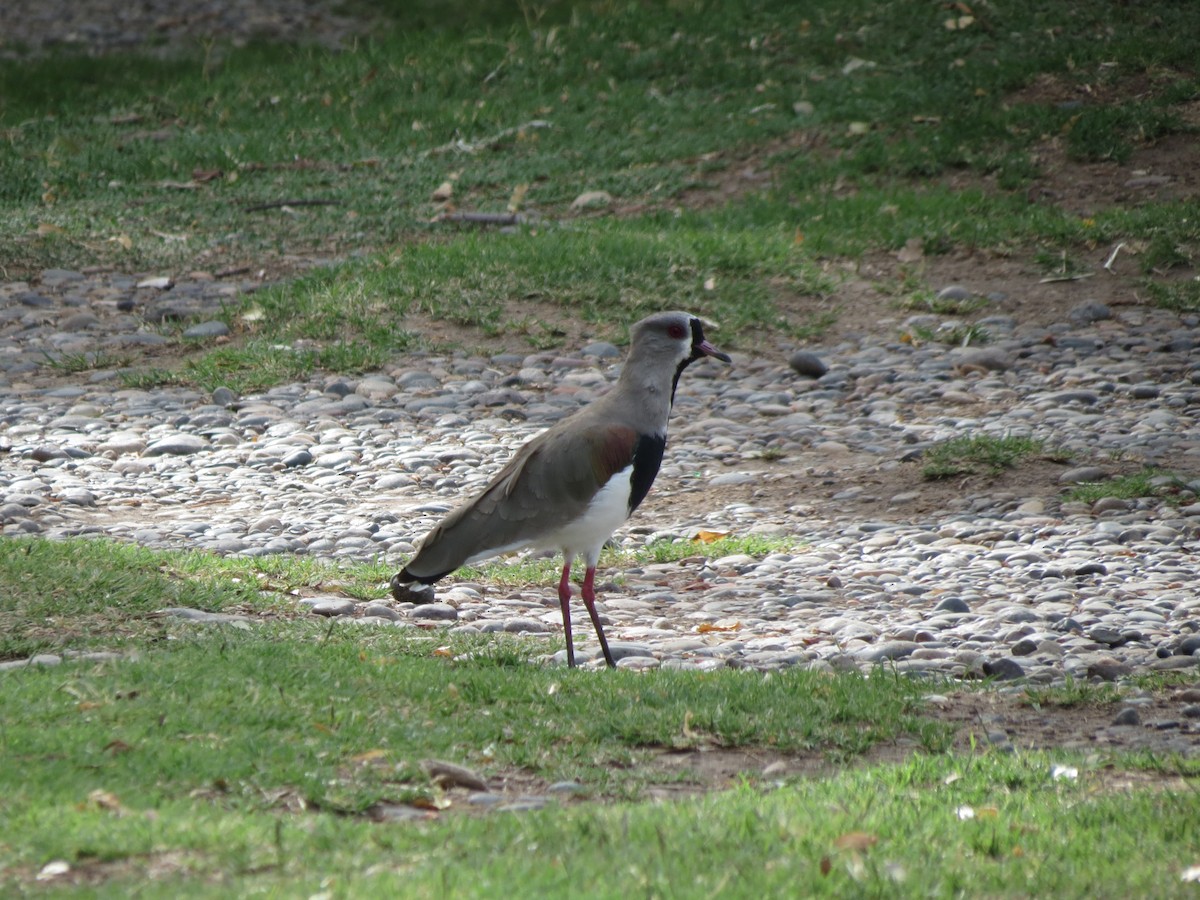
704,348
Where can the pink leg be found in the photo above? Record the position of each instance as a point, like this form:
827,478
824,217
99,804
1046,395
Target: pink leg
564,600
589,600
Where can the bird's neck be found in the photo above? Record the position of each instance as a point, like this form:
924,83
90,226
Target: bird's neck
649,391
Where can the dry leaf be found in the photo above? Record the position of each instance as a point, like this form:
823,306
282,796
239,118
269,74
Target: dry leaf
117,746
447,773
47,228
912,251
368,756
709,627
107,801
443,192
709,537
53,869
826,865
443,652
435,804
518,197
854,63
855,840
591,198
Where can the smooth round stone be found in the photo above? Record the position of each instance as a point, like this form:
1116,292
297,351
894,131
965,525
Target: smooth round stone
887,650
298,458
530,626
601,350
206,330
808,364
1083,475
1003,669
330,606
442,612
953,605
177,445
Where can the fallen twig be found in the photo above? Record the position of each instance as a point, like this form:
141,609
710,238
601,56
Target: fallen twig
484,218
276,204
1112,256
1078,277
474,146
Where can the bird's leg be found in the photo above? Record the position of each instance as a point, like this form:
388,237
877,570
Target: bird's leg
589,600
564,600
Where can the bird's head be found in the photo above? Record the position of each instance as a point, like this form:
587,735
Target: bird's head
676,336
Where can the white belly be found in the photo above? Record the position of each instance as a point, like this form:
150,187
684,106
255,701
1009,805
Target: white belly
586,535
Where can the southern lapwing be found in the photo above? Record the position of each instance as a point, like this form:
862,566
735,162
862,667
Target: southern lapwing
571,486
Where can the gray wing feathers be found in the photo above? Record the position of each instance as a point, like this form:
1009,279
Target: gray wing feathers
536,494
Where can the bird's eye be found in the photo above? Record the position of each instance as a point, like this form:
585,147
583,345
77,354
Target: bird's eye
678,332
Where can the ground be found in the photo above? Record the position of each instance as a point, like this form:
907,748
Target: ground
1082,189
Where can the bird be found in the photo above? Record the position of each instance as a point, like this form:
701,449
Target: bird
570,487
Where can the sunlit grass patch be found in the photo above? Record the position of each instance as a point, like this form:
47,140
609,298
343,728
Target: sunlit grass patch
967,455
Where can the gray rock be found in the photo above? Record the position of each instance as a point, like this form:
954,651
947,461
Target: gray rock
223,396
807,364
442,612
1003,668
298,458
953,605
887,650
954,292
601,350
330,606
1128,716
1083,475
201,616
532,626
1089,312
207,330
177,445
1108,670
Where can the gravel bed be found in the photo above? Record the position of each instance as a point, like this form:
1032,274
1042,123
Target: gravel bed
985,583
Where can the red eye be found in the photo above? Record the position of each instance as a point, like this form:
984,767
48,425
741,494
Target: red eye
678,332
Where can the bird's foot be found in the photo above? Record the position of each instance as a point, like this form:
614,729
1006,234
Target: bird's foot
410,592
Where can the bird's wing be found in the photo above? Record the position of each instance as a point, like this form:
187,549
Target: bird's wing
548,484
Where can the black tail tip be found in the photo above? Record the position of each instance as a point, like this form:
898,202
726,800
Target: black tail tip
404,591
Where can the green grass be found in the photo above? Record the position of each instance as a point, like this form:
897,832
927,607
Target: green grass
1146,483
218,759
1182,296
967,455
214,759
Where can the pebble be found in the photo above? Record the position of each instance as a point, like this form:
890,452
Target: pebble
339,468
808,364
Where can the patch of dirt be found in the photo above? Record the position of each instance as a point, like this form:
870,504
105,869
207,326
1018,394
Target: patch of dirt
981,722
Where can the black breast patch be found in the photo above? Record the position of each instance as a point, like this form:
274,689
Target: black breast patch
647,457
